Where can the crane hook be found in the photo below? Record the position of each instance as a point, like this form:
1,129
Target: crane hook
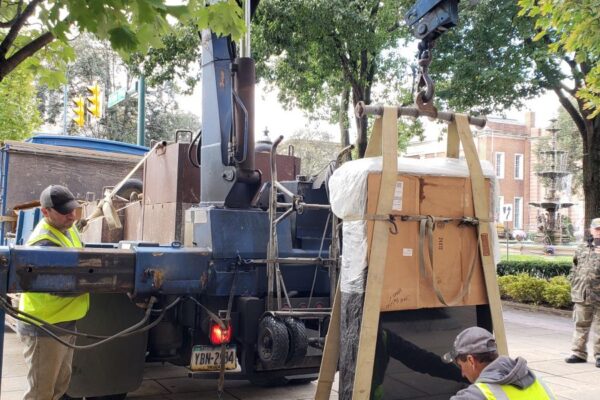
425,86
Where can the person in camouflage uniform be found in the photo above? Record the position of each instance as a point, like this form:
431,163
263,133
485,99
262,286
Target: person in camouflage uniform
585,294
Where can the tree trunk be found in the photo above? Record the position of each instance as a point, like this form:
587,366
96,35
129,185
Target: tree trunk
344,122
591,170
362,124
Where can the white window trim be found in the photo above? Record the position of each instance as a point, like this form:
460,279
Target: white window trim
518,222
503,166
519,173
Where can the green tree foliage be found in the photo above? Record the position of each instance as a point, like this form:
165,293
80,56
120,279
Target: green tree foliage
557,292
96,62
525,288
163,118
491,62
40,30
487,63
19,115
315,150
174,60
328,54
575,25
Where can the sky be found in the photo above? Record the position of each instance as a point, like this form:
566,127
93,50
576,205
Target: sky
270,114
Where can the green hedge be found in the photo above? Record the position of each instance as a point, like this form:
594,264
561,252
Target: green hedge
539,268
525,288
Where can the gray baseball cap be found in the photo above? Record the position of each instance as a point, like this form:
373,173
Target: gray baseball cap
595,223
59,198
474,340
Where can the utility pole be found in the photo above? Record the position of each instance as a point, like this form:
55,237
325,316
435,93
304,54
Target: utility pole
141,124
65,102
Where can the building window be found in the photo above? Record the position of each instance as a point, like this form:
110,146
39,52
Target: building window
518,213
500,165
518,166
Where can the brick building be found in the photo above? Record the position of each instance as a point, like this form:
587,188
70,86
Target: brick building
510,146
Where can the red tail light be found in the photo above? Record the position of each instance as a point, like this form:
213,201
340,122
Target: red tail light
218,335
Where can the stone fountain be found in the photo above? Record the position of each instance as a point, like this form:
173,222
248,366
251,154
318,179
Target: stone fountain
551,224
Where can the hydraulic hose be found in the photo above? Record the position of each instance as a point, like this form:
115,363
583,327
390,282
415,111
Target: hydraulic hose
132,330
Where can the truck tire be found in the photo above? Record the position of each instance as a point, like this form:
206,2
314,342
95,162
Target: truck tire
298,340
129,187
273,342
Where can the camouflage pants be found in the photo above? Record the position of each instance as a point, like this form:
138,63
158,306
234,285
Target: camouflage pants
584,315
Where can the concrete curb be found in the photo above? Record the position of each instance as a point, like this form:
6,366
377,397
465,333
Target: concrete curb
537,308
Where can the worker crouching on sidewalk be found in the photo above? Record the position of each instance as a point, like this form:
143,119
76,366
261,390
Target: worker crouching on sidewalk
492,376
585,294
48,361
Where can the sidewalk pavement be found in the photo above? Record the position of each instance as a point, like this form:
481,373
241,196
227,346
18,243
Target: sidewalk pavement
542,339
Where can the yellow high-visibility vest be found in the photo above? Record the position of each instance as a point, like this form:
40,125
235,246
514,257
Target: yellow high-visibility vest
45,306
537,391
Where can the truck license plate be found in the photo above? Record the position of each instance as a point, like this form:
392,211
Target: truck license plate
208,358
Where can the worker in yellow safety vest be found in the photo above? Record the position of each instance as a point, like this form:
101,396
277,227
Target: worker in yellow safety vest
48,361
492,377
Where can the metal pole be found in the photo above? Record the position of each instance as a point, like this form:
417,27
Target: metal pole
247,18
506,237
3,289
65,103
362,109
141,124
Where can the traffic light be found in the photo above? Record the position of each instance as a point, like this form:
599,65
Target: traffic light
79,111
94,100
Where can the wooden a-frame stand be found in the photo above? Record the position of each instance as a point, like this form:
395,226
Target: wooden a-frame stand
383,143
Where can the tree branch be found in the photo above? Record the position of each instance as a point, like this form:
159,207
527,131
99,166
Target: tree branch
7,65
344,61
364,62
567,89
585,68
575,71
375,8
16,28
573,113
394,27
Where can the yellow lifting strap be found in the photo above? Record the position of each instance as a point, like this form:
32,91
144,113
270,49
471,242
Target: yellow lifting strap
331,351
383,142
459,131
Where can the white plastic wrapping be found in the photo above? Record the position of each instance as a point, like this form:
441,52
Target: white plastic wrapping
348,195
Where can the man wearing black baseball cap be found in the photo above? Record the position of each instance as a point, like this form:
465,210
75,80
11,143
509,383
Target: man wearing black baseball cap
492,376
48,361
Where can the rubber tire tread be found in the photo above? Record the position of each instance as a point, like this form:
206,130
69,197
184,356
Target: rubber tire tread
280,342
298,340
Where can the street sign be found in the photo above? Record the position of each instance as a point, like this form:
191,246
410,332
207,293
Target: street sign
116,97
506,213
